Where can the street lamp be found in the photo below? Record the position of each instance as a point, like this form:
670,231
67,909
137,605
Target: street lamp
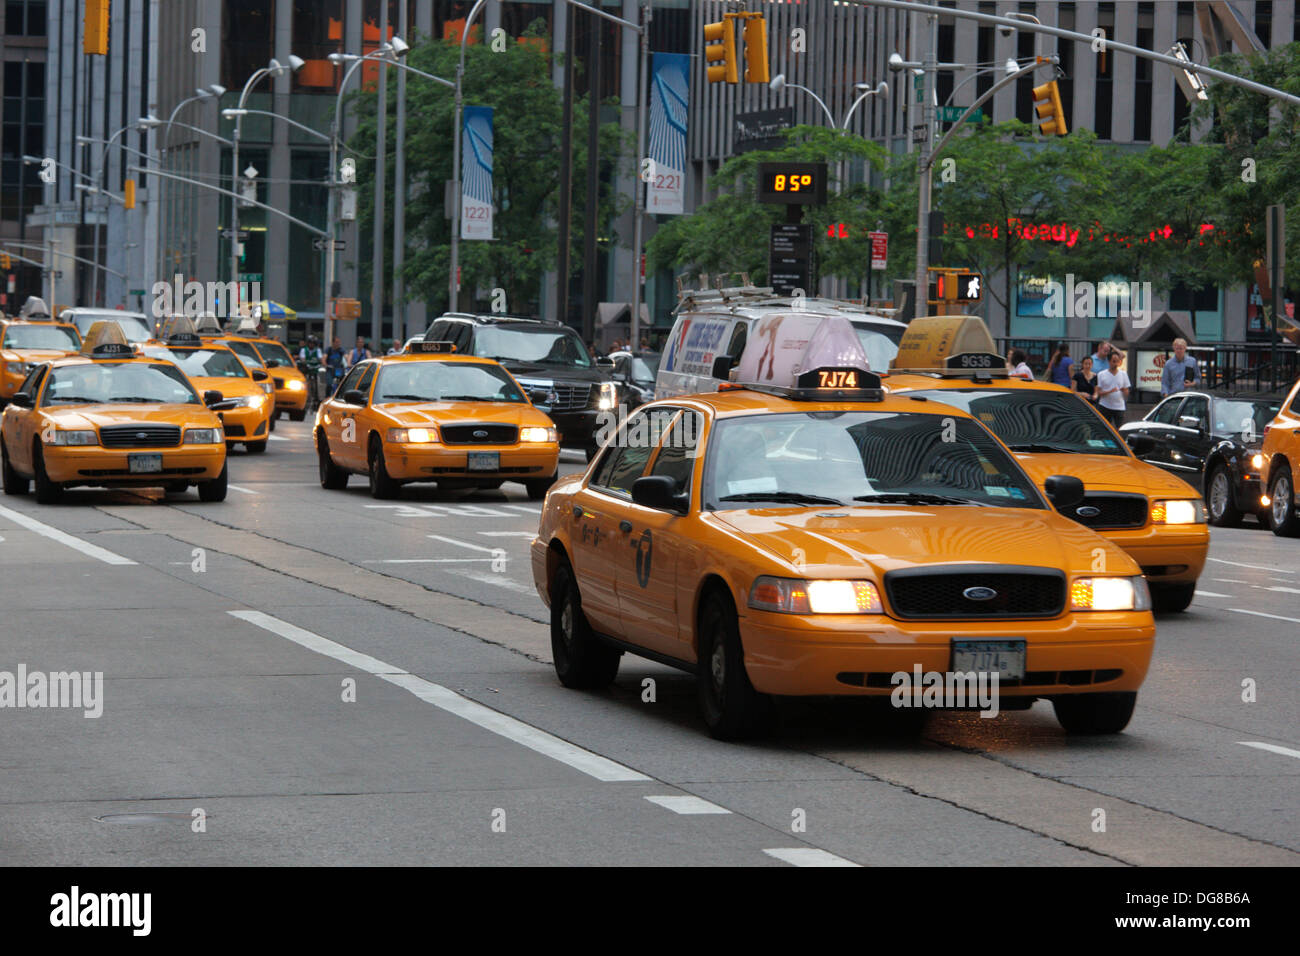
881,89
779,83
232,112
213,91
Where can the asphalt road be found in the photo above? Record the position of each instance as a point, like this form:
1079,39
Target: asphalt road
332,679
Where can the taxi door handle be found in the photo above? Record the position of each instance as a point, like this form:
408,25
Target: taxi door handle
625,526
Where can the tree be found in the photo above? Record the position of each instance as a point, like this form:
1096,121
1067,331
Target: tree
527,121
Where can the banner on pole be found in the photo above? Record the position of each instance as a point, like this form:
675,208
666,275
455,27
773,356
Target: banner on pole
476,174
669,98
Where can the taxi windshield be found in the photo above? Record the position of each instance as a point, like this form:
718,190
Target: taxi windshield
531,344
838,458
97,383
274,352
445,382
202,363
135,329
55,337
1034,420
245,351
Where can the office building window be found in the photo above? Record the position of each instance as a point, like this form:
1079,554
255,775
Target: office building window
247,37
308,201
22,133
1065,49
1143,74
670,30
1264,22
984,50
947,52
1105,74
1025,85
317,32
25,18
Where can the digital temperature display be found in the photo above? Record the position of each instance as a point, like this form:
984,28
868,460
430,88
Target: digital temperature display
796,184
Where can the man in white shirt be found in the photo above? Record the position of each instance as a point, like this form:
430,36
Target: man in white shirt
1112,390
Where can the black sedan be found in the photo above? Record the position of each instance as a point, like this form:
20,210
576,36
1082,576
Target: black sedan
635,375
1212,441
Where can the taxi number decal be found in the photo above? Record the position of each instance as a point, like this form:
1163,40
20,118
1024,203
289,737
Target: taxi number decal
644,548
590,534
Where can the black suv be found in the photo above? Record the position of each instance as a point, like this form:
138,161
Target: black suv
548,359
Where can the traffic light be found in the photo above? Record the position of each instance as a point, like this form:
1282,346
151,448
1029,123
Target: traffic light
128,194
756,50
720,51
4,262
969,286
95,39
1051,114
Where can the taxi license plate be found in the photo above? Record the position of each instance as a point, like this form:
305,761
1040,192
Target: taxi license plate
144,464
484,461
1007,657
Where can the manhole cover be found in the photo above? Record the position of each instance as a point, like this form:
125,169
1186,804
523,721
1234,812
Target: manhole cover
142,819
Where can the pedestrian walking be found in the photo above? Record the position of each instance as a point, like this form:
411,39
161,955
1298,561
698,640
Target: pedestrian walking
1101,357
1179,372
1059,369
1112,390
359,353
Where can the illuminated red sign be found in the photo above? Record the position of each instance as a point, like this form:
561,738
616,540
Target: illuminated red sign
1067,233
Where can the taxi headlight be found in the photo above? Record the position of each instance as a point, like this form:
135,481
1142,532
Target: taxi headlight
608,397
1178,511
537,433
16,368
796,596
203,436
413,436
73,438
1257,462
1110,594
294,385
245,401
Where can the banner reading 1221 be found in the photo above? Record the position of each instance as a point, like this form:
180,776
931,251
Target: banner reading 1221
669,98
476,174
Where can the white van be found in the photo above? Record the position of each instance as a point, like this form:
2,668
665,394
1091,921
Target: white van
719,329
136,326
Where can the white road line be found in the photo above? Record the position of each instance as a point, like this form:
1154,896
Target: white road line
1238,564
808,856
430,561
1229,581
1271,748
1200,593
687,805
531,510
463,544
1283,590
509,534
500,580
54,534
242,491
1276,617
498,723
277,438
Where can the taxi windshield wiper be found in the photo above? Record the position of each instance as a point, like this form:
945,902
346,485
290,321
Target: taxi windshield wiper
1039,448
787,497
406,398
917,498
138,400
472,398
69,399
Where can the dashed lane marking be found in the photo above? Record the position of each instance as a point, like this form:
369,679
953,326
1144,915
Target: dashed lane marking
686,805
808,856
1271,748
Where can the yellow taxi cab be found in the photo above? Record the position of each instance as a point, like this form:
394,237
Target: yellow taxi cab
257,351
1281,451
110,418
828,538
246,403
26,343
432,415
1156,517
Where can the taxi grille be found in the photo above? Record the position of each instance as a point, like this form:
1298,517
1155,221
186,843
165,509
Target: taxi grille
469,434
929,593
1114,510
140,436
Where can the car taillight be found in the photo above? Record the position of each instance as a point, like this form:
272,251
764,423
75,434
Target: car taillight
1266,428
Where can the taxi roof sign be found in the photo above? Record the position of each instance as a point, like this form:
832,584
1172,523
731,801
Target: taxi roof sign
208,324
948,345
249,326
431,347
179,330
106,337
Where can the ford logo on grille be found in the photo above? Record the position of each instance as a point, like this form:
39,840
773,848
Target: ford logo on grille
480,433
141,434
1087,511
979,594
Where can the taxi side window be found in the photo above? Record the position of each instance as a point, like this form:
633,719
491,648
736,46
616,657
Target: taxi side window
1164,415
32,383
677,452
367,378
625,460
350,382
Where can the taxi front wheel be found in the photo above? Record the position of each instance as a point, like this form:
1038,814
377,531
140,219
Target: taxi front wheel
1172,598
582,662
47,491
331,475
732,709
214,490
15,484
382,484
538,487
1095,713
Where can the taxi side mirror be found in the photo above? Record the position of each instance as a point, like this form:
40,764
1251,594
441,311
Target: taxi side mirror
660,492
21,399
1064,491
722,366
272,363
259,375
212,397
1140,444
354,396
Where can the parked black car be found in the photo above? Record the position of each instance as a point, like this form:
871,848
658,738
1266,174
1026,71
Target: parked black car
548,359
1212,441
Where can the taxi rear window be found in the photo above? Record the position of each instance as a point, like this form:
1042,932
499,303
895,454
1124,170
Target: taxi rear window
434,381
246,352
203,363
829,457
1034,420
53,337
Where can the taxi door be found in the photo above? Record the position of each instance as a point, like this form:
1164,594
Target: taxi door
23,429
648,547
350,449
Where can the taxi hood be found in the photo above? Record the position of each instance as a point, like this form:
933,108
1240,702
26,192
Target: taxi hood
227,385
99,416
1106,473
35,355
845,542
407,415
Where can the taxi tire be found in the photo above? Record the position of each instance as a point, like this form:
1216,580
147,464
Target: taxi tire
331,475
1219,488
1095,713
739,711
381,485
47,491
297,416
1284,520
538,487
270,422
582,662
214,490
15,484
1172,598
254,447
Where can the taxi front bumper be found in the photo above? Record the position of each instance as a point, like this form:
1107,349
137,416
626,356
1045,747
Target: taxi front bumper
1167,554
291,399
411,462
241,423
1083,652
90,465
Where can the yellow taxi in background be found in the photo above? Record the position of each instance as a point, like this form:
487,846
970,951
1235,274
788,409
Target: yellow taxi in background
1281,451
1156,517
258,351
824,538
432,415
109,418
246,403
26,343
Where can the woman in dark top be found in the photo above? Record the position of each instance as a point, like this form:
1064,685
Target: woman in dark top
1085,383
